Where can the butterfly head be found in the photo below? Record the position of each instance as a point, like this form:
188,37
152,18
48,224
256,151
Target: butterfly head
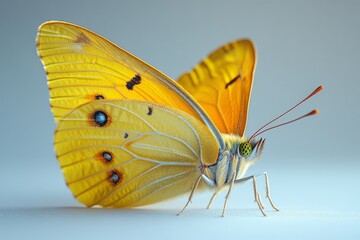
242,147
245,149
250,148
242,153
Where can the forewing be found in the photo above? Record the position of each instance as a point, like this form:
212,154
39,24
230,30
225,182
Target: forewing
222,84
82,66
130,153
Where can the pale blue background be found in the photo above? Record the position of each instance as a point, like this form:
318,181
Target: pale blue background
313,165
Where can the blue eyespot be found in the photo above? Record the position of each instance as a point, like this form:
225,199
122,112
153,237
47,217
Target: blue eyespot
100,118
107,156
114,177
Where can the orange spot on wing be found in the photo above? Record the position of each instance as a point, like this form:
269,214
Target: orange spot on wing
82,38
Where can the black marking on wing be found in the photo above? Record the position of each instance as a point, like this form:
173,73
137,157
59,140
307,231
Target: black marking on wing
232,81
99,97
134,81
150,111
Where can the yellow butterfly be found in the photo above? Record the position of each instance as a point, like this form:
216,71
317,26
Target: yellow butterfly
128,135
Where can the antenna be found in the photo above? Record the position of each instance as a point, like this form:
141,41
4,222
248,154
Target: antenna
313,112
260,130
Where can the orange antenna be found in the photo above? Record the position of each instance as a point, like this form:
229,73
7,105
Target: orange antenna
260,130
313,112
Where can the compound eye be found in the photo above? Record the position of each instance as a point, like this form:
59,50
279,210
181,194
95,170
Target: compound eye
245,149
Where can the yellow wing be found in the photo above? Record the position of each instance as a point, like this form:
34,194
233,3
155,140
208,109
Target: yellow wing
222,84
82,66
121,154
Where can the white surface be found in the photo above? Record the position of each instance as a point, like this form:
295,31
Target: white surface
315,203
80,223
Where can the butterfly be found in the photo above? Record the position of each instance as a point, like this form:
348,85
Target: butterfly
127,135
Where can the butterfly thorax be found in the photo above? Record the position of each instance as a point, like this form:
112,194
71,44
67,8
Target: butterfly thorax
233,161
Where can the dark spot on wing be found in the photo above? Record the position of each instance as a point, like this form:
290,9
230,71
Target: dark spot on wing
134,81
100,118
105,157
114,177
99,97
232,81
82,38
150,111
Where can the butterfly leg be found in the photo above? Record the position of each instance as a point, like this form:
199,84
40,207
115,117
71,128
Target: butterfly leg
212,198
260,201
228,193
191,194
257,195
268,190
267,186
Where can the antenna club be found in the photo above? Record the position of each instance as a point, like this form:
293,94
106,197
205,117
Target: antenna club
314,112
260,130
318,89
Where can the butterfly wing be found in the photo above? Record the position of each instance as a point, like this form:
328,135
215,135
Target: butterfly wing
121,154
222,84
82,66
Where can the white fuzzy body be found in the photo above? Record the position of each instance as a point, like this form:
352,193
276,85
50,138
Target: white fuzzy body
230,165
